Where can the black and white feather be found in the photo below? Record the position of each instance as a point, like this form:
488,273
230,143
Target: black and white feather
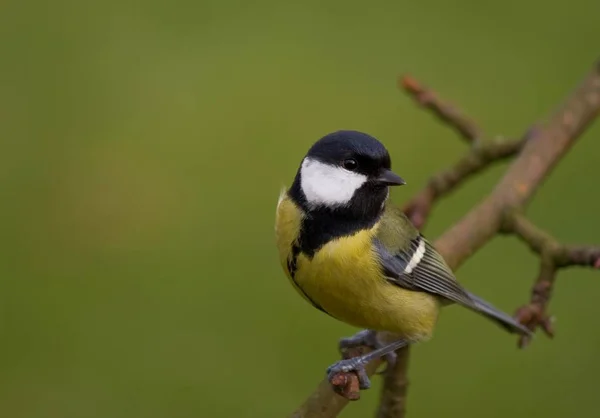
421,268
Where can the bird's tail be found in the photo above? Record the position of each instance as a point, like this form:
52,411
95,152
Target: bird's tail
504,320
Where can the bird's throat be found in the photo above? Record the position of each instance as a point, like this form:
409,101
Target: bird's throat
322,224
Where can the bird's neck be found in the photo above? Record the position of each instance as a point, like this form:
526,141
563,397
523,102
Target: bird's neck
322,224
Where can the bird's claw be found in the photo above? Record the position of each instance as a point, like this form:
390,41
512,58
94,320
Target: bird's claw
370,339
350,365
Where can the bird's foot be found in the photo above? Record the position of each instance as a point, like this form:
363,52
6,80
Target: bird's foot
354,364
357,364
368,338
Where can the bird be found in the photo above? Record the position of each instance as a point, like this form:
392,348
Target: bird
352,254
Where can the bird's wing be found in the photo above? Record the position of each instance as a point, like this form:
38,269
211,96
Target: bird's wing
420,267
410,261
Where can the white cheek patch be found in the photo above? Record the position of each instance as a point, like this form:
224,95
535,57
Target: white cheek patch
328,185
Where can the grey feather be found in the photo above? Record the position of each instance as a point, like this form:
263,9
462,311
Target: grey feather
432,275
505,321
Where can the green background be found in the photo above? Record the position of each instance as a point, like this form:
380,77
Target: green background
143,148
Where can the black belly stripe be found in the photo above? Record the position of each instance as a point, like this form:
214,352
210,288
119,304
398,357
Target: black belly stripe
292,263
292,266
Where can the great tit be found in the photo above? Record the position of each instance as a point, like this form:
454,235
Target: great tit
355,256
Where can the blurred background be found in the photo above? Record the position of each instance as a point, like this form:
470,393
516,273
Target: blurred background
143,148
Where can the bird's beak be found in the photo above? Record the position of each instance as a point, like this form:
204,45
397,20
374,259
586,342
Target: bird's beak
389,178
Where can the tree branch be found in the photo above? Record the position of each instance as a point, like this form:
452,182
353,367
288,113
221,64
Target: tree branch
540,153
395,387
449,114
475,161
553,256
480,156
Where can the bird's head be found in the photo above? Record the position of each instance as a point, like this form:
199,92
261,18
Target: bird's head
346,170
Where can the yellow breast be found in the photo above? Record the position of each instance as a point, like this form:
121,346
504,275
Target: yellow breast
345,279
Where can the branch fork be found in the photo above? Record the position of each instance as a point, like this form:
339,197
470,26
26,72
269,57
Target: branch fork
553,256
481,154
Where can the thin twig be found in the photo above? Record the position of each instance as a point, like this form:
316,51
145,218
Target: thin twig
539,155
448,113
395,387
553,256
475,161
481,155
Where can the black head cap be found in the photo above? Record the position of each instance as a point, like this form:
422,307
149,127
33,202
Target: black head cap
338,147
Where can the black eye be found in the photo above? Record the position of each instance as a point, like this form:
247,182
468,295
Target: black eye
350,164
